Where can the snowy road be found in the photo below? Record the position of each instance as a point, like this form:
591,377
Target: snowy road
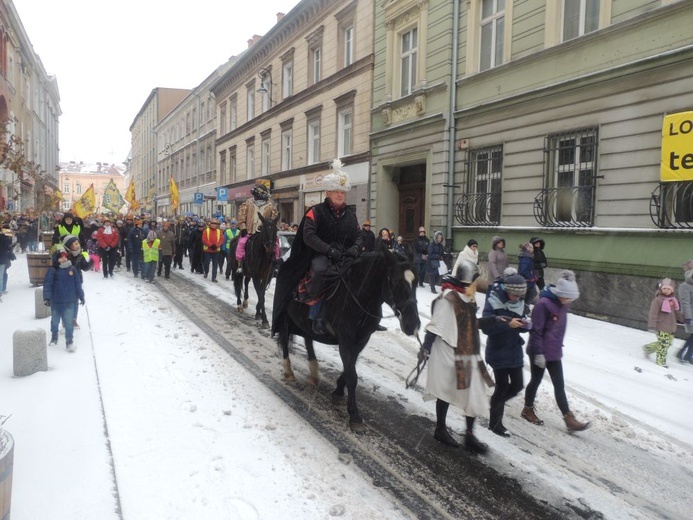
621,468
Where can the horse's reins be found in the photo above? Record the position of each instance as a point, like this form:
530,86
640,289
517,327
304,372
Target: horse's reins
413,378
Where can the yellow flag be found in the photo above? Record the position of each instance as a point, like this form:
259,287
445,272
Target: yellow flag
86,204
130,196
149,203
175,195
112,199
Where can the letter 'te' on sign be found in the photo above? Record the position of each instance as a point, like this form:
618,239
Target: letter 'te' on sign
677,147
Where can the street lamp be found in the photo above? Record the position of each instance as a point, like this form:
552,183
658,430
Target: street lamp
265,89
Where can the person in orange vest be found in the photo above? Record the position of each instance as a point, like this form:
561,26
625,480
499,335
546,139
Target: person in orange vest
212,240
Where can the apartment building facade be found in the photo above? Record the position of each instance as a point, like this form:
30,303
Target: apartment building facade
296,99
556,131
75,178
30,108
186,152
144,154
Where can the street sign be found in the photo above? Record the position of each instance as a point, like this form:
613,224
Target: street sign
222,194
198,198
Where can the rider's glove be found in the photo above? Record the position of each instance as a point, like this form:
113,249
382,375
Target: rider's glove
334,254
354,251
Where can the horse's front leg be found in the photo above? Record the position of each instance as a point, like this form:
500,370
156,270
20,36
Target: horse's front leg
313,369
246,281
349,355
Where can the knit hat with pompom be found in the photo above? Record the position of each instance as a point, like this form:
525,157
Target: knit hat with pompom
566,286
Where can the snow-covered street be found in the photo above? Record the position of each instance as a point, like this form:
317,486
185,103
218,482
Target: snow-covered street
151,419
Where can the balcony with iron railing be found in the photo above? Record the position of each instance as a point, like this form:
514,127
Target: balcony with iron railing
478,209
571,206
671,205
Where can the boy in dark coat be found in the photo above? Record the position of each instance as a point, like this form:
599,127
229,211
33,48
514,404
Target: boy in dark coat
62,286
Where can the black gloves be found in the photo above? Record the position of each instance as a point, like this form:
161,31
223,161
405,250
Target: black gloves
354,251
212,248
81,301
47,303
334,254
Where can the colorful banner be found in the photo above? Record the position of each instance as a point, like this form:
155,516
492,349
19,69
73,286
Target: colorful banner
86,205
130,196
677,147
149,203
112,199
175,195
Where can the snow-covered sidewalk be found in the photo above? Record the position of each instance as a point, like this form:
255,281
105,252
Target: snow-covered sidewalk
190,434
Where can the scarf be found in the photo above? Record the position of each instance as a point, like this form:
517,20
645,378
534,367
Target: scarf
66,264
669,302
107,230
518,306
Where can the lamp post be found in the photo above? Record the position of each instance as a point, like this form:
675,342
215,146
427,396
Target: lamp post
265,75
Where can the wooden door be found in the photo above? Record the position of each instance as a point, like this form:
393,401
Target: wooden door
411,212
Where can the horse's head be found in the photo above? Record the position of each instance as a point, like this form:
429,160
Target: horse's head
268,232
401,292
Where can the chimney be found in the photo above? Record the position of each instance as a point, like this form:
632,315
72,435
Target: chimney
280,17
254,40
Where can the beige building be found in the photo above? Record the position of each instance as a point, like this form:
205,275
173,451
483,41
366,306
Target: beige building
143,165
76,177
30,104
186,151
298,98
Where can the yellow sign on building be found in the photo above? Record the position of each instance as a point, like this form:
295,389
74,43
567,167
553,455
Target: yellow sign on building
677,147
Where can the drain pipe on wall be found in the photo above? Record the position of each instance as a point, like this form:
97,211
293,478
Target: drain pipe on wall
451,124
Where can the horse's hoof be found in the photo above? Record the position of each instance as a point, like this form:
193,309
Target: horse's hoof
265,325
357,427
240,308
245,304
289,378
258,316
338,399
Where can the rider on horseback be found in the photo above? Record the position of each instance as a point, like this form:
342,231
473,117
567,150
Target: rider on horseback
328,231
248,216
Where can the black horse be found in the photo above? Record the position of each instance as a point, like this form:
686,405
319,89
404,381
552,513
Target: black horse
352,309
257,265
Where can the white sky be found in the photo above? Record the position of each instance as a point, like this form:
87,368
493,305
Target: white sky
108,56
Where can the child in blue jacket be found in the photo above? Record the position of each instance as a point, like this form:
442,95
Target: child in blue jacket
62,286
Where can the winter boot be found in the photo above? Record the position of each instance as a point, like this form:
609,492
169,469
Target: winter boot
573,424
443,435
54,339
70,346
529,415
473,444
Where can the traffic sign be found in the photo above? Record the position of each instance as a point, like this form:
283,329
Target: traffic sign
198,198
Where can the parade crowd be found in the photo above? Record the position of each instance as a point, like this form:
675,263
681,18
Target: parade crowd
522,313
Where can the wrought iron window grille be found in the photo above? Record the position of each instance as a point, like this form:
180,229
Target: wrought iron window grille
671,205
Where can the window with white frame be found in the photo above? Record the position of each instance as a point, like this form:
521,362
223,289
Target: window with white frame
286,149
314,141
66,205
348,45
265,156
316,64
232,164
222,119
579,17
492,33
233,116
78,189
572,169
287,79
250,161
250,96
408,60
485,182
222,167
344,131
66,188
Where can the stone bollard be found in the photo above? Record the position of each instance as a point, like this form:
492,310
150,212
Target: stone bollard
40,310
30,354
